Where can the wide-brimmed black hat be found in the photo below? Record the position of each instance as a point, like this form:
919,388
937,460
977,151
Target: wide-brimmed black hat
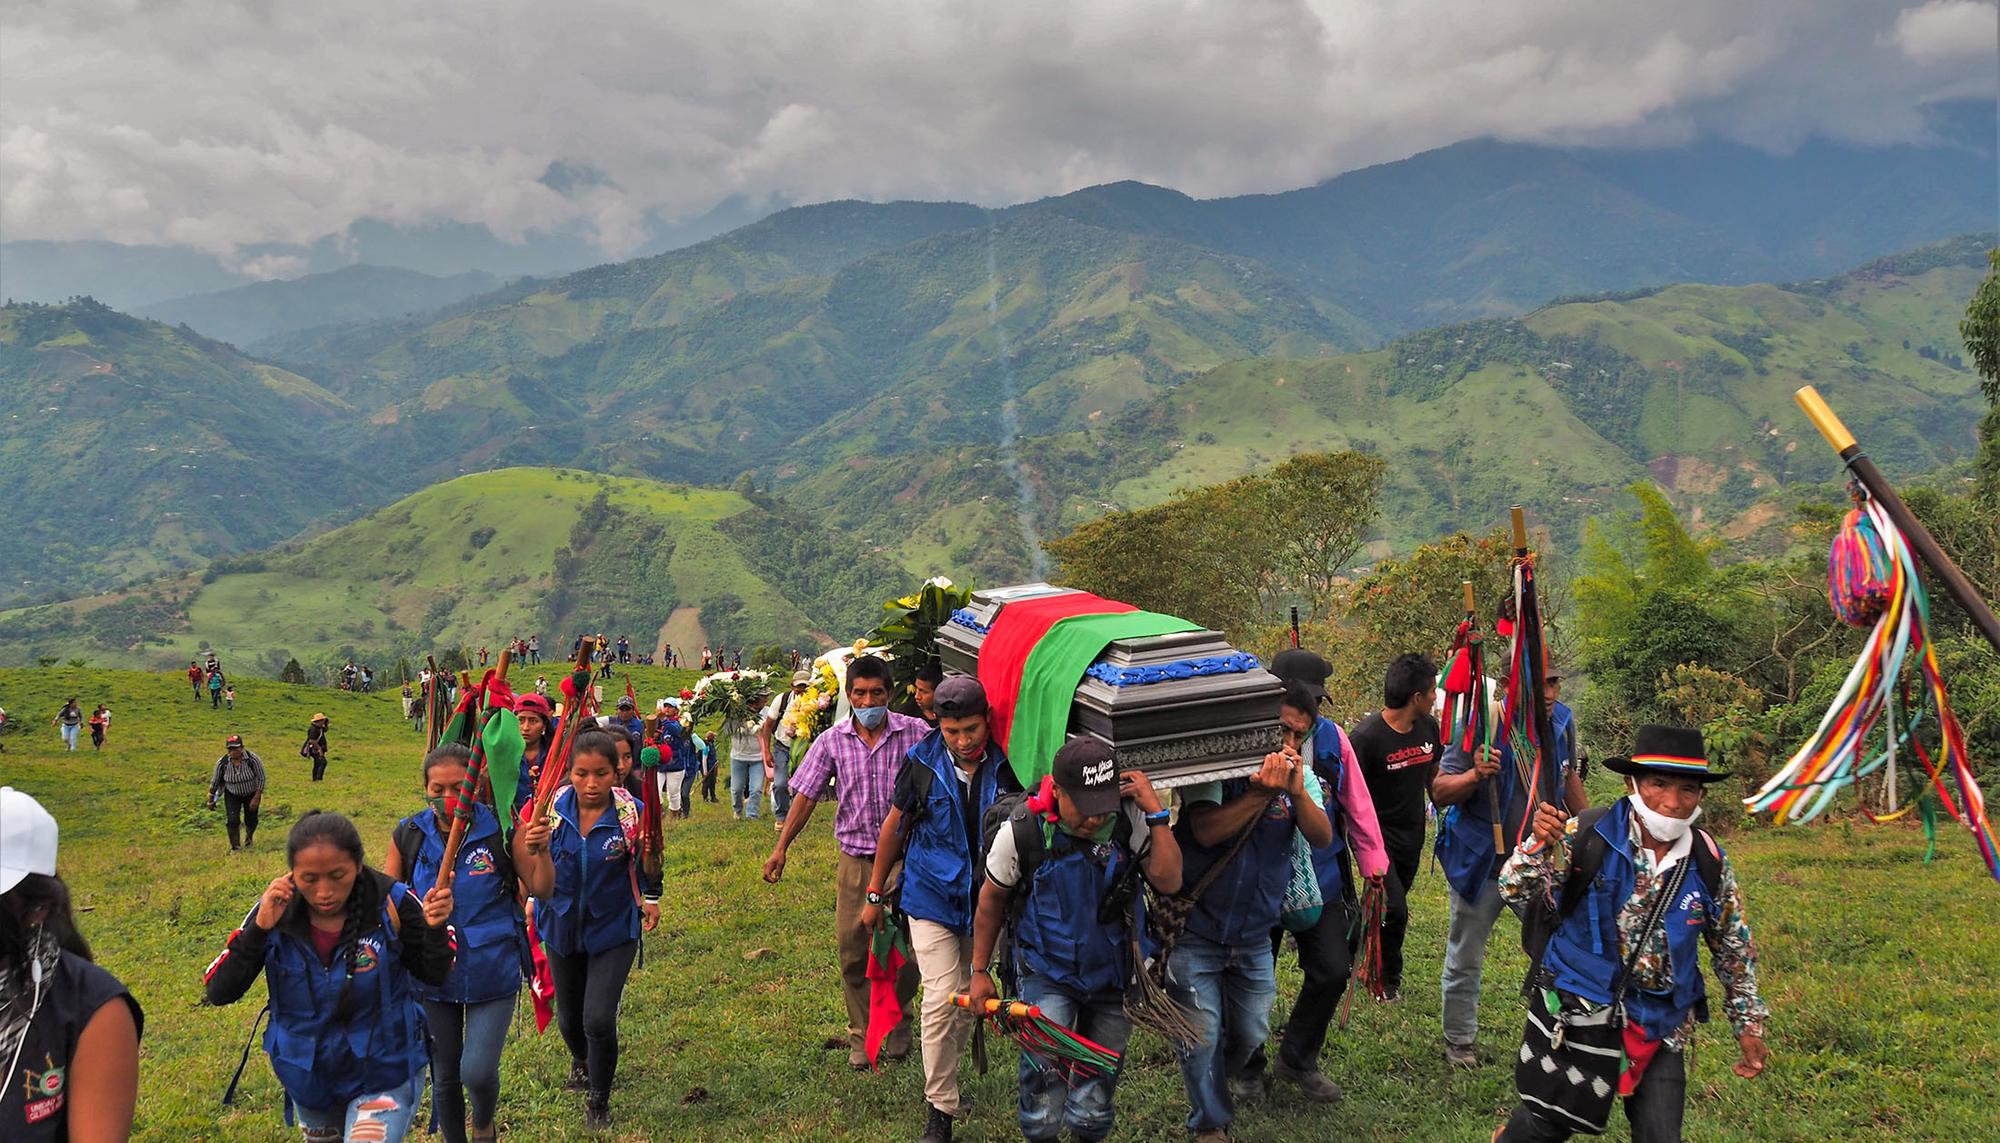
1667,752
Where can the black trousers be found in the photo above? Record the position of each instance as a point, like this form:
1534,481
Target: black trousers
587,992
235,806
1403,869
319,764
1326,963
1654,1110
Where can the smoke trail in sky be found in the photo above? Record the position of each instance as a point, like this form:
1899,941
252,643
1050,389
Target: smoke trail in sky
1010,416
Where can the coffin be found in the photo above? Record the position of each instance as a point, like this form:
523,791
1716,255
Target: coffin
1184,708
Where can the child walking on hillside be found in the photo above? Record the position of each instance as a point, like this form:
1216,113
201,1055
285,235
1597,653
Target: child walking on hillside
592,902
469,1013
340,945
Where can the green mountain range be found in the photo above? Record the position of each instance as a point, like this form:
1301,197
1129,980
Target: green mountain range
248,314
475,561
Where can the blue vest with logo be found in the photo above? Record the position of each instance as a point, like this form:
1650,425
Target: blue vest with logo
482,910
324,1064
940,874
1060,935
1465,831
595,903
1241,906
1584,954
1330,763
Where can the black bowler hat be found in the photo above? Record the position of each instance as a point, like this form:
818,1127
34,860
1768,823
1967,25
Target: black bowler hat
1305,668
1667,752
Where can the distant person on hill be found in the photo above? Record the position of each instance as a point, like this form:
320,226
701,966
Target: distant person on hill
541,684
736,660
196,676
667,655
239,778
315,745
367,680
69,1027
469,1013
216,684
707,659
534,648
342,948
704,747
69,720
624,649
100,721
229,697
3,728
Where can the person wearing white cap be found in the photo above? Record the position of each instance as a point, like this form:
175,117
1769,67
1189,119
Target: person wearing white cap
72,1054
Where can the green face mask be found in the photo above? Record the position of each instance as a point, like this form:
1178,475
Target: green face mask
441,806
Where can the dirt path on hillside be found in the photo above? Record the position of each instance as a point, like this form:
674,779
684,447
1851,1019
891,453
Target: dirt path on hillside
683,630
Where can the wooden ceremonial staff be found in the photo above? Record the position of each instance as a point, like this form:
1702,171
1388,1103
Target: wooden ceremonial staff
449,863
572,720
1829,425
433,728
1528,626
1476,661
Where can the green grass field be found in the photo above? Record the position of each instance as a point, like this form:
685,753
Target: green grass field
1880,970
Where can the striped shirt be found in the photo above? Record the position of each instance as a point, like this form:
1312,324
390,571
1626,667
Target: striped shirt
865,778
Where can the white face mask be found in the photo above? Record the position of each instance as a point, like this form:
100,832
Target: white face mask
1660,825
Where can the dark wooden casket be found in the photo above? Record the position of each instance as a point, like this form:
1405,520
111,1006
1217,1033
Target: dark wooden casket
1184,708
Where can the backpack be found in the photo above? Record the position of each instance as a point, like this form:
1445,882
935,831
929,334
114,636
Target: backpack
1545,916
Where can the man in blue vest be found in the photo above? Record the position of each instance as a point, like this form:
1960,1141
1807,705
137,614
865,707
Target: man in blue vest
934,828
1638,891
1466,790
1221,966
1068,865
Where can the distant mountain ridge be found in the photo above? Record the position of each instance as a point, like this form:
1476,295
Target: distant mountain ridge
252,313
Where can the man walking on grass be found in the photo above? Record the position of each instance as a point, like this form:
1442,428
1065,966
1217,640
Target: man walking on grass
1398,748
856,759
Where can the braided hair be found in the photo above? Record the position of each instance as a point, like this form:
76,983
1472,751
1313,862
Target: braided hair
319,827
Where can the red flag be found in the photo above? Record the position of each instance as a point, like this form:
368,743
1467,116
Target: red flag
885,1009
542,985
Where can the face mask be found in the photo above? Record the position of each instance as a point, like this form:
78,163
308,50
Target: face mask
1660,825
871,717
441,805
967,761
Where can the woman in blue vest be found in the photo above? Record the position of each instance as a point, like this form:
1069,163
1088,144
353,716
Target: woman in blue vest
469,1013
935,829
340,945
1638,892
1067,856
592,901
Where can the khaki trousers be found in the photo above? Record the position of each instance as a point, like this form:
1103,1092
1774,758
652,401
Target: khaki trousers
944,959
850,894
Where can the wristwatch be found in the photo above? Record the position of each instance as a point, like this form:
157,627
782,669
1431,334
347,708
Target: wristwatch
875,898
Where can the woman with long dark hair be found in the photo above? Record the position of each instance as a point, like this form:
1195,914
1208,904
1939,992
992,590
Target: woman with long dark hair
69,1031
339,945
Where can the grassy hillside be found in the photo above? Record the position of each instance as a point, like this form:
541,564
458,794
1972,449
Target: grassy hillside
723,1026
133,449
1688,385
483,558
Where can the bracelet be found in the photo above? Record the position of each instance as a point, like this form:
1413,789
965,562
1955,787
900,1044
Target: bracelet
1159,817
987,971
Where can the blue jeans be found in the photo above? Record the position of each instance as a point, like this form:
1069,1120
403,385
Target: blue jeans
1052,1098
466,1040
781,779
1232,987
1465,961
746,785
389,1112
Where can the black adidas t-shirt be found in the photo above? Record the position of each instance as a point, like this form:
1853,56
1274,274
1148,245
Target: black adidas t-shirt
1398,770
34,1106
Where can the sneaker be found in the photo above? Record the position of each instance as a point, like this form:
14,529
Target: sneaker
1248,1089
597,1114
1314,1083
937,1127
1212,1135
579,1077
1461,1055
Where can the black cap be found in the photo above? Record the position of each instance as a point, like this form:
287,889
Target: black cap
1088,772
1303,667
959,696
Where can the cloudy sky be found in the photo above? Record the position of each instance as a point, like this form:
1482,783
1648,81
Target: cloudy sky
221,124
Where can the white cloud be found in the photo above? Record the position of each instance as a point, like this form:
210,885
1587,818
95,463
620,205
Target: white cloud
225,124
1948,29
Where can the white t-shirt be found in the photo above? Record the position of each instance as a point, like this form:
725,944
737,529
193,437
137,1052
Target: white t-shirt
1003,861
775,711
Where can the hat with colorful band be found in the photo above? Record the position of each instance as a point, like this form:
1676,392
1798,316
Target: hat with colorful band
1667,752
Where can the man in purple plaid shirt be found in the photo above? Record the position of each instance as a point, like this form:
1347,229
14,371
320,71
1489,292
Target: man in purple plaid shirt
862,755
